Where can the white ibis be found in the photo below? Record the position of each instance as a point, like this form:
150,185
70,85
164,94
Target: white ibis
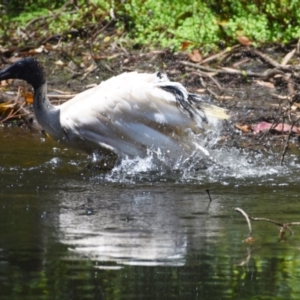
124,116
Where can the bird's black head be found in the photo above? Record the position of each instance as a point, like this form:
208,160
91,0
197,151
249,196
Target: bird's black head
27,69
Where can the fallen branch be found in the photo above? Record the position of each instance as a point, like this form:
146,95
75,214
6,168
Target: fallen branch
266,58
246,217
283,226
267,74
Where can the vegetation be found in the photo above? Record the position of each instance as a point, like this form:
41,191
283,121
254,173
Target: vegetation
157,23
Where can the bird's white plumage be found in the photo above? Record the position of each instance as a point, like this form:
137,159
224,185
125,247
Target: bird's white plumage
125,116
128,114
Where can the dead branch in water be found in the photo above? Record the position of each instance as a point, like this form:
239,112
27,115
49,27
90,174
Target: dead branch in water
283,226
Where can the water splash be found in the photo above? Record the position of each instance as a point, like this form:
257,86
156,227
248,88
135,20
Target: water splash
209,162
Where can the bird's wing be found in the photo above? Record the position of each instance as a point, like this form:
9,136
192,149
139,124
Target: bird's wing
131,113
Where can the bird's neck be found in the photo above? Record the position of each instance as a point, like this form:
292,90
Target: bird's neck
46,114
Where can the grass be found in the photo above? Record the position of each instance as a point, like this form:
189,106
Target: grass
159,23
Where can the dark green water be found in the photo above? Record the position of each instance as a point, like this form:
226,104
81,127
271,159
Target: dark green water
67,233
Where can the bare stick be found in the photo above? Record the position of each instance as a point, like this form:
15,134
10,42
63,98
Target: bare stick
287,143
225,70
246,217
15,114
273,62
208,193
283,226
287,58
267,220
219,56
196,66
200,73
266,58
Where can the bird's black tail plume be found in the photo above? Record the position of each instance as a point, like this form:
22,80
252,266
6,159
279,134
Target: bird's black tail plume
194,104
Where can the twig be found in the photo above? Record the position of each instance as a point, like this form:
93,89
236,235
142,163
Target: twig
246,217
50,16
266,58
225,70
196,66
283,226
298,47
89,72
221,55
288,57
215,95
200,73
32,21
276,121
14,114
208,193
274,63
286,146
95,34
210,200
280,97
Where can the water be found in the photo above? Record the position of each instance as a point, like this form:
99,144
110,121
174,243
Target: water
135,233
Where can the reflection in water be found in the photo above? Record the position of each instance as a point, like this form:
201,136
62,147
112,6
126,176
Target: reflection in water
143,227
